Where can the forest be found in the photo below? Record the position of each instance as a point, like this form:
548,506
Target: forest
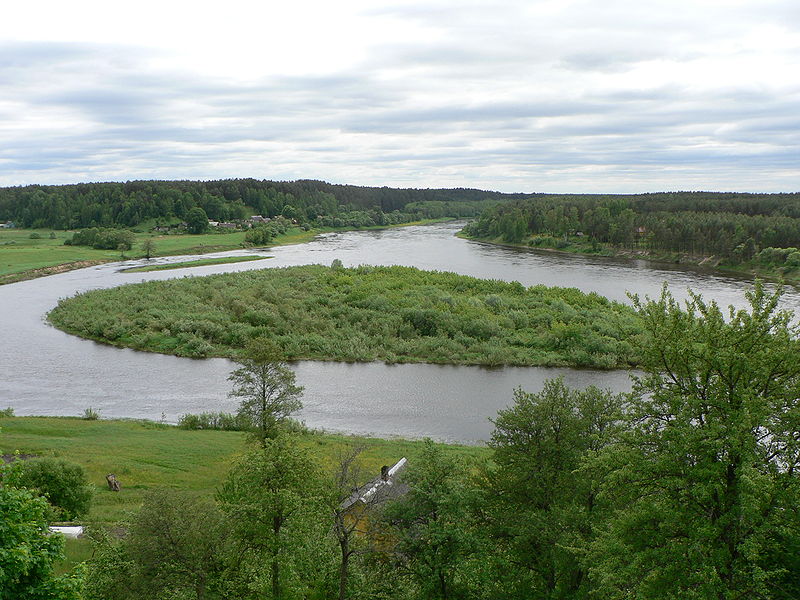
733,227
133,202
393,314
685,488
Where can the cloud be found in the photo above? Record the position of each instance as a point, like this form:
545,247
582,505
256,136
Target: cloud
516,96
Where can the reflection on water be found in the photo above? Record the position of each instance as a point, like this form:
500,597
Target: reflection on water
47,372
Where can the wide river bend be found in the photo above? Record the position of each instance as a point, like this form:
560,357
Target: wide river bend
44,371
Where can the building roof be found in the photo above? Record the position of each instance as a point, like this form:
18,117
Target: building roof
383,488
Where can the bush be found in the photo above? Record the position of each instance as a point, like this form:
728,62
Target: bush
35,235
62,483
90,414
220,420
7,412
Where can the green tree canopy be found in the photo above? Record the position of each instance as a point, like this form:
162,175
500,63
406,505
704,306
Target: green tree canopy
706,474
266,387
196,220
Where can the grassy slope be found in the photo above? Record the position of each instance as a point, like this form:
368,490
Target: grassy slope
146,455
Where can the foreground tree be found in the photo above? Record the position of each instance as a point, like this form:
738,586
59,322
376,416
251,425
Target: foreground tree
266,386
706,476
274,499
28,552
176,547
542,504
435,535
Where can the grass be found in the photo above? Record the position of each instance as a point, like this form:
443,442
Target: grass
222,260
146,455
24,258
393,314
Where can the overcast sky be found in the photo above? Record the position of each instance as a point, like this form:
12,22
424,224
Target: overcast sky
558,96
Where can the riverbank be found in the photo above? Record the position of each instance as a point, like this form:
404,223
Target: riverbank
580,246
201,262
32,253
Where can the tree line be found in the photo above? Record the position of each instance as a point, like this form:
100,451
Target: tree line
732,226
688,487
130,203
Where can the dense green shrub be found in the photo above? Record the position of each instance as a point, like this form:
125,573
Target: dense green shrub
396,314
63,484
211,420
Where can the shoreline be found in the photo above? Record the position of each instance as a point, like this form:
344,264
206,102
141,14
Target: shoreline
674,259
296,237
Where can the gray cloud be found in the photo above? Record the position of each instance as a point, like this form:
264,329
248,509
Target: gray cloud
637,95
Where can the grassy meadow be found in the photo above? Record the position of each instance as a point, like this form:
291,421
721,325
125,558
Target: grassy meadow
146,455
393,314
23,257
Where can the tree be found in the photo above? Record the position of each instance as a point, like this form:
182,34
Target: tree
541,504
28,551
196,220
148,247
273,498
706,474
266,386
176,546
347,524
434,534
62,483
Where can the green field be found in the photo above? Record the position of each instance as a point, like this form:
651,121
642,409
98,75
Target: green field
146,455
393,314
23,258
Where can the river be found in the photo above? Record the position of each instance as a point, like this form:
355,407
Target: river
44,371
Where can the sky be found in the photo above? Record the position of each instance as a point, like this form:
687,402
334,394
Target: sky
616,96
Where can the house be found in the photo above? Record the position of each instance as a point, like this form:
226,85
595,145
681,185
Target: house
8,225
387,486
259,219
227,225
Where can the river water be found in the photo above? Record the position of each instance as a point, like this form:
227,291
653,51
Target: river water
44,371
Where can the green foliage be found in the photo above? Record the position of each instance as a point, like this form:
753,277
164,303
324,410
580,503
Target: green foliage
730,226
63,484
266,387
7,412
90,414
273,498
542,506
176,546
102,239
196,220
435,537
27,551
396,314
35,235
219,420
704,477
261,235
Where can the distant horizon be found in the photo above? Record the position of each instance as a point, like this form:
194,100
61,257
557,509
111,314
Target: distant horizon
412,187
